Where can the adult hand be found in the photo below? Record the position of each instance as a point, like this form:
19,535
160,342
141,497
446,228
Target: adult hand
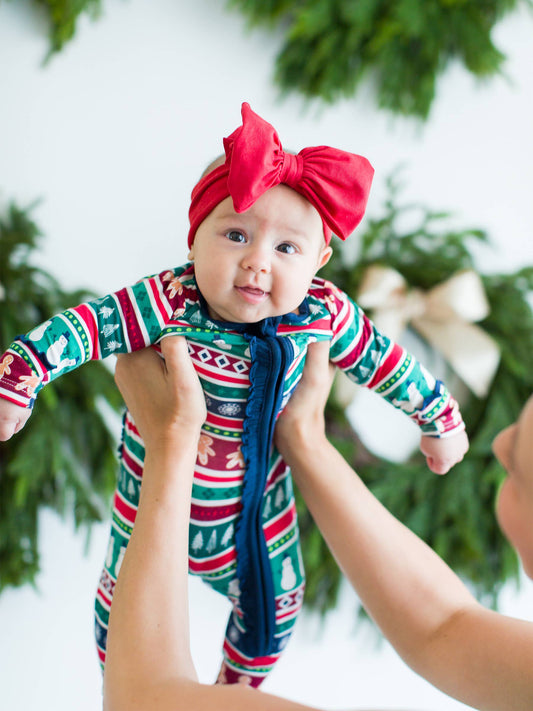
303,416
163,395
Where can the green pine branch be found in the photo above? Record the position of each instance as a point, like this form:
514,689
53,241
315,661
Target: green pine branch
63,16
401,47
64,458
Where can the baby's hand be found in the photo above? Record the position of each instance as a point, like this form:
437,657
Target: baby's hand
12,418
442,454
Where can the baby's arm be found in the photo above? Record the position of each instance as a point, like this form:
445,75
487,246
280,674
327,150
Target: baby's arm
374,361
128,320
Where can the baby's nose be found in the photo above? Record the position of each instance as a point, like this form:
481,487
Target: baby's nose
257,259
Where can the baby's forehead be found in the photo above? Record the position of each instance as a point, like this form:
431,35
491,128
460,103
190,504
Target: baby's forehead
280,207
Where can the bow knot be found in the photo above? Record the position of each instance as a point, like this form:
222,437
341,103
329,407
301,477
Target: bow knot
292,169
445,316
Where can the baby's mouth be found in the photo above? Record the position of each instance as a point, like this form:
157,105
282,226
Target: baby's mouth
251,293
251,289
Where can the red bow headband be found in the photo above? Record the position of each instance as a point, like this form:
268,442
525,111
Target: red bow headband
335,182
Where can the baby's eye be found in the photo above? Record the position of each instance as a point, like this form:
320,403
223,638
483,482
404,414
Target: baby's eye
286,248
235,236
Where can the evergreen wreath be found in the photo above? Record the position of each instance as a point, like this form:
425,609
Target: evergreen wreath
402,47
453,514
64,458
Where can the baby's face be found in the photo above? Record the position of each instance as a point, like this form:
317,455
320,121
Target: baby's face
514,448
259,263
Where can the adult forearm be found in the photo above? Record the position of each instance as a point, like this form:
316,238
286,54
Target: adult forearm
148,636
404,586
415,598
486,660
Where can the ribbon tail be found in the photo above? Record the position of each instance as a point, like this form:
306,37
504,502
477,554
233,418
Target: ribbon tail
384,292
471,352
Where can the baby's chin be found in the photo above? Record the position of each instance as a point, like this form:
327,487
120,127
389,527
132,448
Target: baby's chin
273,313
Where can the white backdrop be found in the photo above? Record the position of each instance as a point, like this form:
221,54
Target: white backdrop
112,134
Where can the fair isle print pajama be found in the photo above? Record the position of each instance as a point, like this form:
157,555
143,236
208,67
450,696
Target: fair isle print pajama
243,531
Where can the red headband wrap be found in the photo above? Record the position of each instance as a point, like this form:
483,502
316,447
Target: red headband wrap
335,182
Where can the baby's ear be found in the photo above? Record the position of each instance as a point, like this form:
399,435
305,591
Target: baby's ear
324,258
190,256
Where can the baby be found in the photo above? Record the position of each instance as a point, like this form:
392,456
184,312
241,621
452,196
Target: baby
249,304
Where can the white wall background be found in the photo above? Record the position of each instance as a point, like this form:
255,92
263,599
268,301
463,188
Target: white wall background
112,135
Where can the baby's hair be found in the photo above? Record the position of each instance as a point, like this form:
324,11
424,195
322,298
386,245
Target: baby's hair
214,164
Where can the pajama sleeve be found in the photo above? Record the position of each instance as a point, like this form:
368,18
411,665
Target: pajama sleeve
125,321
372,360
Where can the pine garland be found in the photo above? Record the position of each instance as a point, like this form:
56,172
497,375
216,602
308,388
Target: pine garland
453,514
64,458
402,47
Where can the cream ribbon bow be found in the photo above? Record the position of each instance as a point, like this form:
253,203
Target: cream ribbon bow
445,316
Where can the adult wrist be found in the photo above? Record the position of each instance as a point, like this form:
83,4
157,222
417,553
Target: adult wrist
181,436
302,441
